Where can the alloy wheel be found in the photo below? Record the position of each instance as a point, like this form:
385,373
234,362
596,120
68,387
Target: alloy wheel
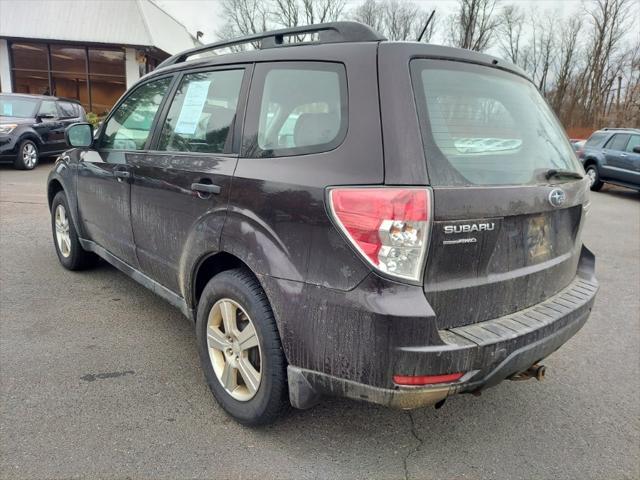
62,231
234,349
29,155
591,173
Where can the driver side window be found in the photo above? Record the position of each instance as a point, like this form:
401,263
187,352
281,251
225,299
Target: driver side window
130,125
48,109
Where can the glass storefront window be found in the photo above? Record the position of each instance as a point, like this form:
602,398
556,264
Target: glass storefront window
36,83
68,59
94,76
31,56
105,92
106,62
71,85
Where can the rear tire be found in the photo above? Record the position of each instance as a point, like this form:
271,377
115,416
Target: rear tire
594,178
231,300
28,156
65,238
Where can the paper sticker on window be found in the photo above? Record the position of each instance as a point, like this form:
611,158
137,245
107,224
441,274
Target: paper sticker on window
7,109
192,107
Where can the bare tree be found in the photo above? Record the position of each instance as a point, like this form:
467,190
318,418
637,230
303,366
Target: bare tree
291,13
321,11
370,12
395,19
474,25
399,18
609,19
543,50
286,13
563,98
510,30
629,109
244,17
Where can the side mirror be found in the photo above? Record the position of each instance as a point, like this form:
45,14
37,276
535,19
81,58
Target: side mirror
79,135
45,116
636,149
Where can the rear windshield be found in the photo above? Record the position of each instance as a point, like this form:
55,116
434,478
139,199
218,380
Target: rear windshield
596,139
484,126
17,106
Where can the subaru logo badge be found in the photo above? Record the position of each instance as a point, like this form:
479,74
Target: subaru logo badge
557,197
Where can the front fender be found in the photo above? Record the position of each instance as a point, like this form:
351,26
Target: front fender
64,175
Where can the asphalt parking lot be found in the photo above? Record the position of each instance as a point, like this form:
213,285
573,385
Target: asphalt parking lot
100,378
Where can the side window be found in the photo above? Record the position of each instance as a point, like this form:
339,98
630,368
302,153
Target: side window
48,109
303,108
67,110
634,141
130,125
595,139
618,142
202,113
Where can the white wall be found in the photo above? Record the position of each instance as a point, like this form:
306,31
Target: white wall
5,70
131,67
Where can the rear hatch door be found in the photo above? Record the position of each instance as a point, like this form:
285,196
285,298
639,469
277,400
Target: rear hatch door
508,190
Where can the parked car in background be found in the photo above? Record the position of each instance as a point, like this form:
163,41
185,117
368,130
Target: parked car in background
33,126
577,144
253,190
612,155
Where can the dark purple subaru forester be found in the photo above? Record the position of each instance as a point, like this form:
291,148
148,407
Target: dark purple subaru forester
339,215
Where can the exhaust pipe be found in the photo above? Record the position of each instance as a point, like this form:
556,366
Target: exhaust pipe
534,371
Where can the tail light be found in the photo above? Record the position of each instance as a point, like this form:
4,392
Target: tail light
414,380
388,226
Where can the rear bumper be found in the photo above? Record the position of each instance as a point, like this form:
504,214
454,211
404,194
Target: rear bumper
8,147
488,352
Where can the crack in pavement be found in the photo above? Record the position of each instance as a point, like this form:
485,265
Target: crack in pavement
416,448
27,203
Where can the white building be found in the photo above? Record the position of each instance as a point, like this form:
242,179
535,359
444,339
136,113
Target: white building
87,50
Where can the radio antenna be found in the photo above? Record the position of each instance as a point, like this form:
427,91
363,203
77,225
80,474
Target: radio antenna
426,25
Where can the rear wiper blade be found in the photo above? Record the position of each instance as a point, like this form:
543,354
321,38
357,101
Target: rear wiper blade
552,172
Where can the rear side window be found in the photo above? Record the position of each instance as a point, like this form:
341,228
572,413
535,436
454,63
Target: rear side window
484,126
618,142
48,108
596,139
634,141
303,108
202,113
68,110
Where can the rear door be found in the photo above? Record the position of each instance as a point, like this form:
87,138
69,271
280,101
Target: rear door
69,114
181,186
312,121
616,166
505,232
631,161
49,127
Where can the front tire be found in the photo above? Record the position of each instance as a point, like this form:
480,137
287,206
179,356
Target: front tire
28,156
594,178
240,349
65,238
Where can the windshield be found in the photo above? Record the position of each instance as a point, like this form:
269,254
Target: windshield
484,126
17,106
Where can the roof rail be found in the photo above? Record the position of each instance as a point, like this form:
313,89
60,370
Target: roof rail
621,128
334,32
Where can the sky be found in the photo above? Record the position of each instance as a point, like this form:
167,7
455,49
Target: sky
206,15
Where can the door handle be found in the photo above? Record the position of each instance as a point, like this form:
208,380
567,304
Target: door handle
206,188
122,174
